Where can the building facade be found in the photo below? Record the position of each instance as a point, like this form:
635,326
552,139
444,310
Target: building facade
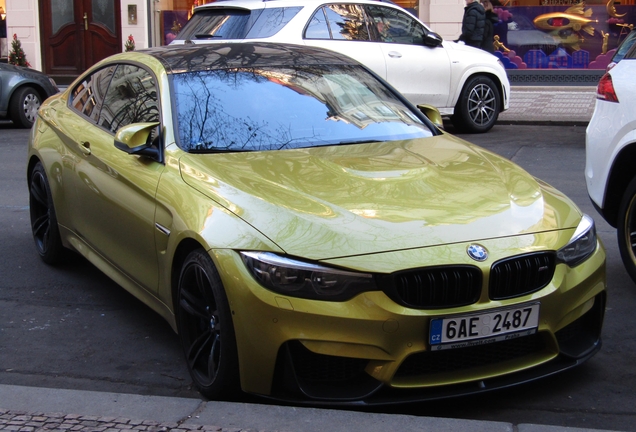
64,37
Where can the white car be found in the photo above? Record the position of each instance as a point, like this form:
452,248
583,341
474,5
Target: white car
466,83
610,154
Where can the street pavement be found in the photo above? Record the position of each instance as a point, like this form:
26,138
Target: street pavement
550,105
32,409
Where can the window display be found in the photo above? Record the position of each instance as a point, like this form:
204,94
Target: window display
174,18
561,34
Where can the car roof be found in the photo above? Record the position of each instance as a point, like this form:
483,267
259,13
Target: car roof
192,58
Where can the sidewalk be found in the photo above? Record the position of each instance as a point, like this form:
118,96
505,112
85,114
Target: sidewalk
550,105
33,409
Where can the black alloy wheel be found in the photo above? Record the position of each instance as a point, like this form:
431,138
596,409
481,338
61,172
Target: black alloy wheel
626,229
205,328
24,106
477,109
44,226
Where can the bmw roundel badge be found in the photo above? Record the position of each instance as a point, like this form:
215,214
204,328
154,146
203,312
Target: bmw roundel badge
477,252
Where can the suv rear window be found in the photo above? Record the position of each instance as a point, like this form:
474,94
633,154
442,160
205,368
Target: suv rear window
220,23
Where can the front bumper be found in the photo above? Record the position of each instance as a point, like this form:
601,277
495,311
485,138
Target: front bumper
370,350
339,382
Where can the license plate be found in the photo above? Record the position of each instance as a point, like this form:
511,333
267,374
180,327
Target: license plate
483,328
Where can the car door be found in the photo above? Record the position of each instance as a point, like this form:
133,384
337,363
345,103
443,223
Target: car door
114,207
344,28
419,72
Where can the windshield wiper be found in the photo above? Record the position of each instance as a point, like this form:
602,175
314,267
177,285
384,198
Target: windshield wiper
216,150
362,141
206,36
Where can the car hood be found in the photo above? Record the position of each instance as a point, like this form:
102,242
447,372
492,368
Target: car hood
339,201
467,53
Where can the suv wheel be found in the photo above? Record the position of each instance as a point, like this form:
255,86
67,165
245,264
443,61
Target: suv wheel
477,108
626,229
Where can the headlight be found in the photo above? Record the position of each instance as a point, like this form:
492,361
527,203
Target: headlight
581,245
300,279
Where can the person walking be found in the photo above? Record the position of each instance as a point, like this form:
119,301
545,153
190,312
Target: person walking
473,24
492,19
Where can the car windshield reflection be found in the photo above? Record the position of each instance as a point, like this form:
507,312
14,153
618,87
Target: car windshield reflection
276,108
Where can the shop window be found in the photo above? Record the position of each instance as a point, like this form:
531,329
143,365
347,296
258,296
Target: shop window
562,34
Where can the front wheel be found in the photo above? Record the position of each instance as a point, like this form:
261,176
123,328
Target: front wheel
205,328
626,229
46,232
24,106
477,108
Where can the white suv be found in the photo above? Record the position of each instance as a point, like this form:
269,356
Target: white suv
610,169
466,83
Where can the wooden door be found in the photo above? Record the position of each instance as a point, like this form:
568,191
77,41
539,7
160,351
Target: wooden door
76,34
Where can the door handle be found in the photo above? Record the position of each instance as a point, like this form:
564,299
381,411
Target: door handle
85,147
395,54
85,21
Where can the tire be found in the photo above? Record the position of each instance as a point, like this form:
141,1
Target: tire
626,229
46,232
205,328
24,105
477,108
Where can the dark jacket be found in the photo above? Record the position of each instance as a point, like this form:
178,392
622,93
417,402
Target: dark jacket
473,24
489,31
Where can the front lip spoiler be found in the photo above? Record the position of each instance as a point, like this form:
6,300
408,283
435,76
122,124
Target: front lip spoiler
391,396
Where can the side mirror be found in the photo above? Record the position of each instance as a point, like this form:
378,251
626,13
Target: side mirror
432,114
432,39
134,139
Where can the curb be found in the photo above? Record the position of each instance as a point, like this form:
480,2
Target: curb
511,122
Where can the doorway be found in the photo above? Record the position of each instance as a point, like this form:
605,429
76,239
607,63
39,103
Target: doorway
76,34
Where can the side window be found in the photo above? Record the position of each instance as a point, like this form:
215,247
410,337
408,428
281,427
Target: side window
88,96
394,26
131,98
317,28
630,47
347,22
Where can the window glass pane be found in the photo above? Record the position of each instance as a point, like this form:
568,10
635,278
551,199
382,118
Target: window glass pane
104,13
88,96
561,34
219,24
271,21
308,106
131,98
394,26
317,27
624,47
61,14
347,22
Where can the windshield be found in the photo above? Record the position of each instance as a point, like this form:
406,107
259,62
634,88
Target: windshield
275,108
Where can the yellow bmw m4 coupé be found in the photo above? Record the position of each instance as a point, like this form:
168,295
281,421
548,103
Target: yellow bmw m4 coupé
311,235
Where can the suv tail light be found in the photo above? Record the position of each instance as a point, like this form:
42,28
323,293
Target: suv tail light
605,89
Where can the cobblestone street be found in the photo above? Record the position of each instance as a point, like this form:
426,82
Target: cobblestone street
30,422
